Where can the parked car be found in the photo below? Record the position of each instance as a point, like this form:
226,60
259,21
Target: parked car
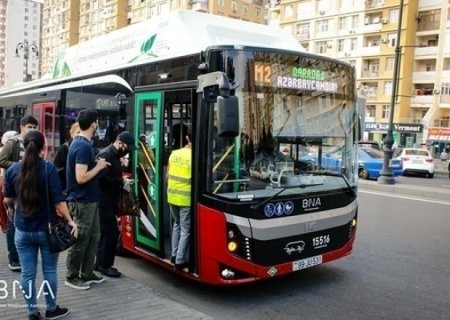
417,161
328,162
369,144
370,163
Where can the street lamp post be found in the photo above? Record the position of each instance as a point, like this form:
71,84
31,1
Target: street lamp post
386,175
27,51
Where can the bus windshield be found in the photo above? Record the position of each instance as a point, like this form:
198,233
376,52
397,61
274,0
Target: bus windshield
297,117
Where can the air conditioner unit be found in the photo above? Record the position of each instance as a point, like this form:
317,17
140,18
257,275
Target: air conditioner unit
384,21
384,40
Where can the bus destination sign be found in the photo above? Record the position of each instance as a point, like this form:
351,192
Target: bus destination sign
308,79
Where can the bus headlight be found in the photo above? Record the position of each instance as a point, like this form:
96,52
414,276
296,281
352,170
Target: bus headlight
237,243
232,246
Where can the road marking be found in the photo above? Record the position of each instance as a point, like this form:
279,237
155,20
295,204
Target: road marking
403,197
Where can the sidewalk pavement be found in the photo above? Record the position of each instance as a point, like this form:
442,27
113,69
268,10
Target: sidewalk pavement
121,298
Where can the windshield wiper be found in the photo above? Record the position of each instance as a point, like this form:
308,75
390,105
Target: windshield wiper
303,185
334,174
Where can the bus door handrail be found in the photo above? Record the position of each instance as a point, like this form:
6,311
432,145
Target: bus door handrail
148,201
223,158
147,155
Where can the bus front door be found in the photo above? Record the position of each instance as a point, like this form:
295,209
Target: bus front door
148,171
160,126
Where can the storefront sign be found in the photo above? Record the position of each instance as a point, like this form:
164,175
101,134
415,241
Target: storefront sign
439,134
399,127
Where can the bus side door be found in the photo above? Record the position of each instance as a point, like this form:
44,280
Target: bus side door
44,112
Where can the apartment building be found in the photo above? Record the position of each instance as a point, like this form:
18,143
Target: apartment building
364,33
68,22
20,22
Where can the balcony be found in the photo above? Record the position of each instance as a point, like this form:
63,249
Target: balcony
424,76
374,27
443,123
370,51
369,74
428,26
426,51
422,100
373,4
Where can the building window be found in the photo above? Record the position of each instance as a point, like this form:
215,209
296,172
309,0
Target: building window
321,46
353,44
304,10
322,26
302,30
355,21
430,67
394,14
371,111
386,111
445,89
388,88
233,6
288,12
342,23
392,39
389,64
341,45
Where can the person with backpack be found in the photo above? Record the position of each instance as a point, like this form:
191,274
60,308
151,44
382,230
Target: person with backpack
12,152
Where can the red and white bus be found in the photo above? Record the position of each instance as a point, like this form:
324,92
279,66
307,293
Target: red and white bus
259,107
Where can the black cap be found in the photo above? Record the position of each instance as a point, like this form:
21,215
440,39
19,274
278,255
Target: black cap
128,139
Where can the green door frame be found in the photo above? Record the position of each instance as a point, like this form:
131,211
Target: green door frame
153,191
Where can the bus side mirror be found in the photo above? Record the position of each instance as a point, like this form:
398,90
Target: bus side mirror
228,116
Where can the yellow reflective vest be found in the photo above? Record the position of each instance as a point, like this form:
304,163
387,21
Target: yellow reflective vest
179,178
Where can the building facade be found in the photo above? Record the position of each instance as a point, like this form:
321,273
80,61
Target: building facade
20,23
364,33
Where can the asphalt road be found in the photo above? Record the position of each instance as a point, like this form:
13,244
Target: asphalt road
399,270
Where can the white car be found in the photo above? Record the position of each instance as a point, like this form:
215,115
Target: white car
417,161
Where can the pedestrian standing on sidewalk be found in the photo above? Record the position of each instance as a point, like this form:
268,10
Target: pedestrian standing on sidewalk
111,181
3,215
179,199
61,155
12,152
35,207
444,156
83,195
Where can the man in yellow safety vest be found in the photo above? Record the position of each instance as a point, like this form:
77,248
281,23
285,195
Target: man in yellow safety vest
179,199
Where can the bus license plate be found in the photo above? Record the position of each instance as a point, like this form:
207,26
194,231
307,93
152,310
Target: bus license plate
306,263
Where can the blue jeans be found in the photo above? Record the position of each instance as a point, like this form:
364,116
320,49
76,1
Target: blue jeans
28,246
12,251
181,232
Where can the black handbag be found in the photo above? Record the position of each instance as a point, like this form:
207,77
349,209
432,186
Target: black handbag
59,235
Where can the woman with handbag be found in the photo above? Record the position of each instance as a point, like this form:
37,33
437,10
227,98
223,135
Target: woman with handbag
36,209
